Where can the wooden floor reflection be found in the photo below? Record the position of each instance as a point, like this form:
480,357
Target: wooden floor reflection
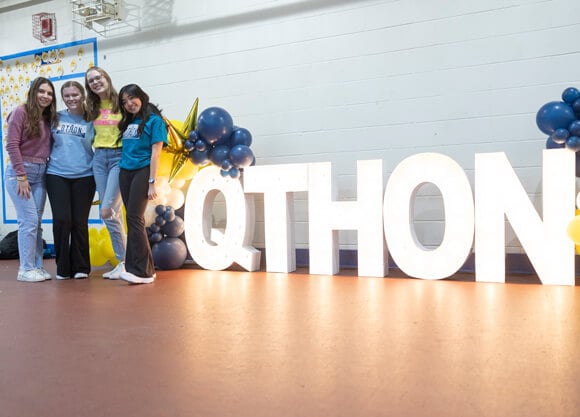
203,343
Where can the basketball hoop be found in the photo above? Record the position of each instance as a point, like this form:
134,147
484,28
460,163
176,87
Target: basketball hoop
44,27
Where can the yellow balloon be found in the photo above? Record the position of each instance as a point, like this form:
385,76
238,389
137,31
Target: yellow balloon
106,246
104,233
165,164
187,171
573,230
97,258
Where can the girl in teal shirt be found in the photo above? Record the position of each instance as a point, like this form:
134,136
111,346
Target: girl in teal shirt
144,134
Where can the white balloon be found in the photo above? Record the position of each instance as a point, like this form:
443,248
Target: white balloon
150,213
175,198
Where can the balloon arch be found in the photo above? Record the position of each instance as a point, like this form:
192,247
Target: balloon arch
210,139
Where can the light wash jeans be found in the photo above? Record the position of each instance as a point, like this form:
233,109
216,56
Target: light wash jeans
106,172
28,213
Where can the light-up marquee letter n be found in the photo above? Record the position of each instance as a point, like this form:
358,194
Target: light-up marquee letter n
215,249
499,195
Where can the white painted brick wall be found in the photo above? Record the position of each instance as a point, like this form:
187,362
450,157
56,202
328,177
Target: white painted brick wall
337,80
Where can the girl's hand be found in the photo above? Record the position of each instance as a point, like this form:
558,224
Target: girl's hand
23,189
152,192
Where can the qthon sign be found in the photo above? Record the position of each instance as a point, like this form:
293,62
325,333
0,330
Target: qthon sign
475,220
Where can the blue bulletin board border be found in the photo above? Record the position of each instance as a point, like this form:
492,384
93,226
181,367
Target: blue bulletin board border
48,56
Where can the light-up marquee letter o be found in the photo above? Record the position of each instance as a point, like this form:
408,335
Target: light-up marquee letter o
215,249
408,253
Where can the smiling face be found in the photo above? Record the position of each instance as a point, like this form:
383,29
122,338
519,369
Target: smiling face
45,95
98,83
73,99
131,104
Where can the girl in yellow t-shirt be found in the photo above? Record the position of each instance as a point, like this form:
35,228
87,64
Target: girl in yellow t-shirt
103,110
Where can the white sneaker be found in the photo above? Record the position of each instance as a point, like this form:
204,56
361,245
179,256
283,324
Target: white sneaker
45,273
134,279
81,275
115,273
61,277
32,275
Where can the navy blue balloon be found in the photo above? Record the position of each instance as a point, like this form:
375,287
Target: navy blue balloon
241,156
573,143
170,253
193,136
155,237
570,95
173,228
155,228
215,124
227,165
169,214
576,107
224,173
574,128
160,209
241,136
550,144
234,173
560,135
160,220
199,157
554,115
219,154
188,145
200,145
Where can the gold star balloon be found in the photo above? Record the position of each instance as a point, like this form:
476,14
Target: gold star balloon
177,133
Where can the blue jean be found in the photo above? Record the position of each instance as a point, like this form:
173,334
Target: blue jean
106,173
28,213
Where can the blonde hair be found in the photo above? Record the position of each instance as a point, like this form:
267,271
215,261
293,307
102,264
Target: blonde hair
93,101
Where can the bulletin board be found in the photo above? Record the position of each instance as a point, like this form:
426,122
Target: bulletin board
58,63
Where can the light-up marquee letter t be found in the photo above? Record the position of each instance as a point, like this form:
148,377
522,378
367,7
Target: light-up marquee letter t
278,183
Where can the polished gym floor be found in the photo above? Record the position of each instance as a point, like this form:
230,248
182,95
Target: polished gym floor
207,343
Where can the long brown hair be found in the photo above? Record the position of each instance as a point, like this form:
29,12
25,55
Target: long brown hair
78,86
147,108
94,101
35,113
